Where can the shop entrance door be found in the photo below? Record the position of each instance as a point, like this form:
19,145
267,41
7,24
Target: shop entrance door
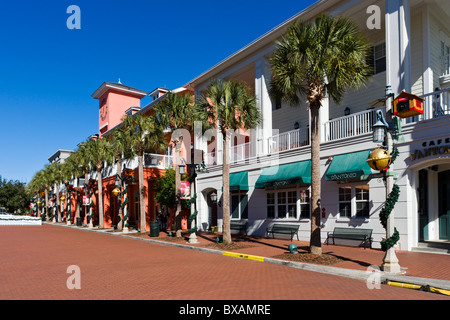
423,205
444,205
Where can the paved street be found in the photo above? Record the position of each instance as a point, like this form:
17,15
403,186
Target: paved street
35,261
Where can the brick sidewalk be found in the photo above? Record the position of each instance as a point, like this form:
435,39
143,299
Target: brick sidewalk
417,264
35,260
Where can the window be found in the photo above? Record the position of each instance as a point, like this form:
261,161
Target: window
354,202
288,204
378,58
304,204
345,204
239,208
362,201
271,205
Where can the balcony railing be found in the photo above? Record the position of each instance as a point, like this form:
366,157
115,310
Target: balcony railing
349,126
289,140
436,104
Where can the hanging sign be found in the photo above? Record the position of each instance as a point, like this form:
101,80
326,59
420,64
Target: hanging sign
185,190
85,200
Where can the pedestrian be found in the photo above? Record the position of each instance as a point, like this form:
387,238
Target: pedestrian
163,220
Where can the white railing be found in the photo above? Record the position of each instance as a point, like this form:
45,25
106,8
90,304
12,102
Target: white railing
158,161
285,141
349,126
289,140
436,104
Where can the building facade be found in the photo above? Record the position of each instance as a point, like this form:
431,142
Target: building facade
269,166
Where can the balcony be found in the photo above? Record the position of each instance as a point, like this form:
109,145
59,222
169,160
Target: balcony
436,104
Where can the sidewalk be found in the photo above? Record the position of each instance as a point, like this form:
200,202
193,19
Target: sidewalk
352,262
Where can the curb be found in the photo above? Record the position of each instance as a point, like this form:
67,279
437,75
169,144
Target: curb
342,272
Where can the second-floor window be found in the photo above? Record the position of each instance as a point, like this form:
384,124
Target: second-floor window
378,58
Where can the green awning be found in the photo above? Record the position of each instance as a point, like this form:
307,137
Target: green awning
239,181
292,173
348,166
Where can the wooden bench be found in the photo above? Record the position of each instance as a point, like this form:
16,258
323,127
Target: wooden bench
351,234
239,225
283,228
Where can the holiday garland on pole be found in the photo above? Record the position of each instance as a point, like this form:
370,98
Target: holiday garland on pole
194,215
389,205
125,207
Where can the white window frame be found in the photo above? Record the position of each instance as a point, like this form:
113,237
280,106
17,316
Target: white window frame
353,202
286,204
240,194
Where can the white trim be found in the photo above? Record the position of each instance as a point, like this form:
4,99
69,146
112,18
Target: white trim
105,125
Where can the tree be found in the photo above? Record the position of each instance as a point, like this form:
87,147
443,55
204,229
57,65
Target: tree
175,112
121,144
316,60
228,106
100,153
13,195
146,135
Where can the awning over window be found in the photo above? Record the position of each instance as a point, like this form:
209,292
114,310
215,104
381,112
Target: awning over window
239,181
292,173
348,166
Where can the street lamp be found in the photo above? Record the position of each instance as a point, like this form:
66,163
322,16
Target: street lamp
380,128
182,169
381,133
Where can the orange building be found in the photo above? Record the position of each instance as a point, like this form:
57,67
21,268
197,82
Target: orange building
116,101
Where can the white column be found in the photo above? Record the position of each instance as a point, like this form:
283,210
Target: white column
398,49
262,81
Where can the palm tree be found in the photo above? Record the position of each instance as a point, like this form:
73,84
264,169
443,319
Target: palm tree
229,106
101,153
316,60
146,135
175,112
121,144
84,160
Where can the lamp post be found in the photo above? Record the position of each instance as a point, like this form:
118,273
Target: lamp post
381,133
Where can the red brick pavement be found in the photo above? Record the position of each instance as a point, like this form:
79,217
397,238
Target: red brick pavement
34,261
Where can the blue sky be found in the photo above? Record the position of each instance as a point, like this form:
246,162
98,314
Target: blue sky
48,72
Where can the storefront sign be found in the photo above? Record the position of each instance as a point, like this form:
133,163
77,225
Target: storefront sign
432,148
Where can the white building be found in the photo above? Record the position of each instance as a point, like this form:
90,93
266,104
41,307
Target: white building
411,52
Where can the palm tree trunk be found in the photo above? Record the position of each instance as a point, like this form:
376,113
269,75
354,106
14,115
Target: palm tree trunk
100,199
315,241
226,232
86,192
77,202
46,204
143,216
177,189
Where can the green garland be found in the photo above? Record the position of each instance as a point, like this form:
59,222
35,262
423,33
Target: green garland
91,203
69,208
124,208
389,205
194,215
